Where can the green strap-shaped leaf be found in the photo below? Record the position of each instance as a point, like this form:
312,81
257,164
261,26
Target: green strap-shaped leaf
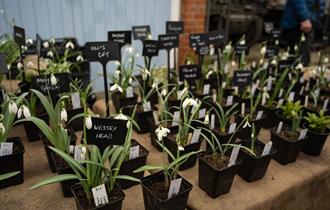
125,177
55,179
8,175
148,168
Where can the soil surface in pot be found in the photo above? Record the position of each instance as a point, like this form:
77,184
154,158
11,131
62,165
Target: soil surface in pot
114,195
258,149
288,135
217,161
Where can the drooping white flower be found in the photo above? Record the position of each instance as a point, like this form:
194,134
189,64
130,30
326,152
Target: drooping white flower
263,50
209,74
233,63
30,64
45,44
154,85
189,102
188,62
128,124
83,149
69,44
64,115
116,87
19,112
285,56
12,107
130,80
228,48
299,67
28,41
273,62
2,128
277,42
145,73
121,117
302,38
129,49
117,64
20,66
26,112
326,60
117,74
295,47
181,148
161,132
254,64
52,40
50,54
53,80
71,149
261,61
79,58
88,122
246,124
242,42
163,92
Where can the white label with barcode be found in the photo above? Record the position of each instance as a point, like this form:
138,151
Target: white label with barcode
269,83
233,156
279,127
134,152
291,96
146,106
232,128
267,148
174,187
6,148
229,101
100,195
302,134
259,115
201,113
212,121
176,117
206,89
75,98
129,92
156,117
195,136
77,152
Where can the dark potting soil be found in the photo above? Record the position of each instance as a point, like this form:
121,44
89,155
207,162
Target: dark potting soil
217,161
60,162
258,149
16,149
289,135
114,195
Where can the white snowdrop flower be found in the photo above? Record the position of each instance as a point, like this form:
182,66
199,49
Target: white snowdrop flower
20,112
20,66
206,119
154,85
53,80
64,115
79,58
24,48
8,66
295,47
69,44
26,111
254,64
83,149
149,36
116,87
52,40
121,117
128,124
273,62
181,148
50,54
233,63
299,67
326,60
129,49
188,62
88,122
30,64
12,107
277,42
246,124
242,42
145,73
261,61
228,48
162,132
263,50
163,92
82,156
189,102
209,74
302,38
2,128
117,74
45,44
130,80
28,41
117,64
71,149
285,56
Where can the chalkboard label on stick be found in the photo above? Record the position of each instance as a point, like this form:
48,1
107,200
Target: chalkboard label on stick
216,38
242,78
240,48
189,73
121,37
271,51
141,32
168,41
197,40
43,84
174,27
203,50
150,48
276,33
3,64
102,52
19,35
38,44
283,64
106,132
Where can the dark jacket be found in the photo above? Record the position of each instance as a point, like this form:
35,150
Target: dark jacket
296,11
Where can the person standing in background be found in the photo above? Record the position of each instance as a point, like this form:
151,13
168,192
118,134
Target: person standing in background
301,16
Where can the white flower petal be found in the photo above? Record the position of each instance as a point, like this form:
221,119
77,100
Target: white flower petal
121,117
12,107
64,115
45,44
20,65
26,112
53,80
88,122
30,64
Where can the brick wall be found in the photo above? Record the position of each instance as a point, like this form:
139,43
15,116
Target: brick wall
193,13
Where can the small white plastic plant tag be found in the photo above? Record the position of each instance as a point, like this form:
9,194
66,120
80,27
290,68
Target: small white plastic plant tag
281,93
243,109
146,106
201,113
264,98
302,134
174,187
212,121
279,127
291,96
325,104
269,83
176,117
233,156
259,115
77,152
100,195
280,103
134,152
156,117
232,128
195,136
206,89
6,148
267,148
229,100
214,97
75,98
129,92
306,101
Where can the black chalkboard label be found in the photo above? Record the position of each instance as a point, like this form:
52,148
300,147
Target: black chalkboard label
121,37
276,33
140,32
240,48
3,64
283,64
174,27
38,44
106,132
271,51
190,73
19,35
197,40
203,50
168,41
150,48
242,78
102,52
216,38
43,84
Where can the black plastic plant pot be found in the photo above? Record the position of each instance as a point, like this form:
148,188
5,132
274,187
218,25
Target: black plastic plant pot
32,131
222,138
269,112
153,136
131,165
140,119
154,202
24,86
115,198
254,167
76,124
120,100
213,181
287,151
280,118
12,163
315,142
62,167
245,133
171,144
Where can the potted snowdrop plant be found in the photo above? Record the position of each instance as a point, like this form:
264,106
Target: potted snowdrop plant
11,148
187,138
288,138
166,189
